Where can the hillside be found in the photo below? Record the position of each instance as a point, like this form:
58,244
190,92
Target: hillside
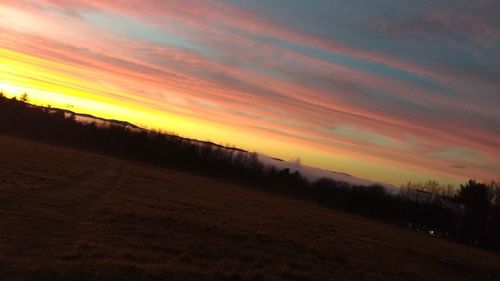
468,215
71,215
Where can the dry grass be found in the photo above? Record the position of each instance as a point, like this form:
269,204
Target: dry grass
69,215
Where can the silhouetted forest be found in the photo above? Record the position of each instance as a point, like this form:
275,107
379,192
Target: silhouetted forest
470,214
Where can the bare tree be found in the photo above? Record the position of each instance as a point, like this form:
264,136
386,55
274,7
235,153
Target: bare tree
24,98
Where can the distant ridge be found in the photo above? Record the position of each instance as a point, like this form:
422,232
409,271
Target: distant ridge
88,118
99,121
313,173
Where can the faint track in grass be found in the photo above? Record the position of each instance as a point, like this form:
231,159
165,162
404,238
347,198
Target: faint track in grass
86,226
45,224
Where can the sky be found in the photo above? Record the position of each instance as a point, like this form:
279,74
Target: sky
389,91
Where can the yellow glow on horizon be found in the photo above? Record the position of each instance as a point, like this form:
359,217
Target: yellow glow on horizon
64,86
17,77
23,73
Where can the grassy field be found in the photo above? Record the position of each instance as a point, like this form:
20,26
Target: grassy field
70,215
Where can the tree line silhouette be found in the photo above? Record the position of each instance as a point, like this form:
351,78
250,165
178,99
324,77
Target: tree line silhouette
470,214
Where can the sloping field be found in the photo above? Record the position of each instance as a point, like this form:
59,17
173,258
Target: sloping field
69,215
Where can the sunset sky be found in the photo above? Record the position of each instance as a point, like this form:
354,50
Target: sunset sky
385,90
